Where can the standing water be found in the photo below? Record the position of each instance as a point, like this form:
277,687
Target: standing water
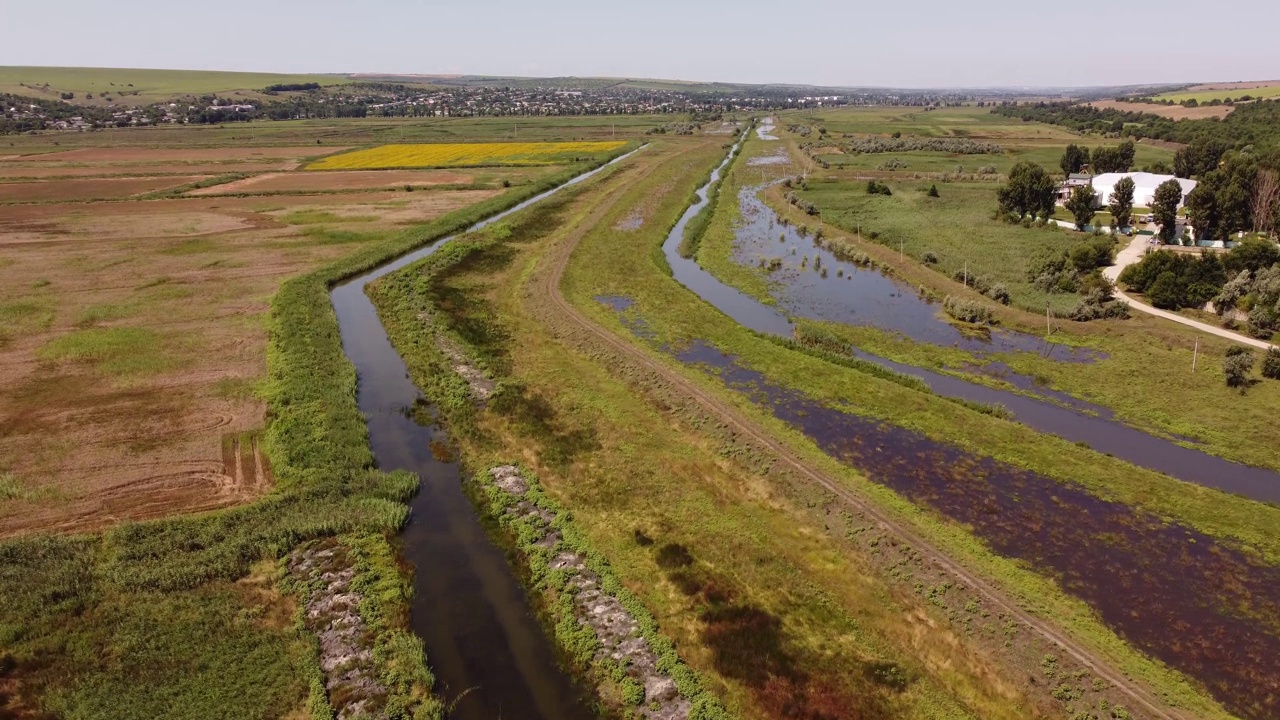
483,643
889,305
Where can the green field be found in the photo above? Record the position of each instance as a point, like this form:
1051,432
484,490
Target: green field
922,161
956,227
968,121
1203,96
139,86
345,133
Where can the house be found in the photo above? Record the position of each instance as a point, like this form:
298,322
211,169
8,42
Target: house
1144,187
1074,180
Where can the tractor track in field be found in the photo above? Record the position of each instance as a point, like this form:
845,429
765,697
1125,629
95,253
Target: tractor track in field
549,286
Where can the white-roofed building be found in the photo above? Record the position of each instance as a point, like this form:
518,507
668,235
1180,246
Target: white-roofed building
1144,186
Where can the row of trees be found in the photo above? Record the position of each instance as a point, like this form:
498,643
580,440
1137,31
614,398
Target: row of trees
1256,123
1242,193
1030,192
1102,160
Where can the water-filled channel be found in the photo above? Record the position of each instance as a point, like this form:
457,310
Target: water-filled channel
1180,595
483,642
856,295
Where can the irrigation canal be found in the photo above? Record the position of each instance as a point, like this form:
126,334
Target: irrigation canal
857,295
483,642
1142,574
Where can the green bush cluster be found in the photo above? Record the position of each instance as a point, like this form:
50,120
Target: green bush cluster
954,146
966,310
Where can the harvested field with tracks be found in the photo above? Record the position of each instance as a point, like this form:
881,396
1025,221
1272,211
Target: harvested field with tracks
133,332
144,155
97,189
342,180
1173,112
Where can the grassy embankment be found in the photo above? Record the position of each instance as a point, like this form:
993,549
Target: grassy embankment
1248,524
1145,353
762,591
182,617
573,399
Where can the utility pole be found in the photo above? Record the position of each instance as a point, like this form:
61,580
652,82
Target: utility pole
966,273
1047,327
1195,354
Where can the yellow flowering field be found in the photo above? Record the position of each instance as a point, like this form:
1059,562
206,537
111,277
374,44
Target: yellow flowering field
463,155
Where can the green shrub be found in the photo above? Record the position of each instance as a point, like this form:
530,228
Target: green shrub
966,310
1237,366
1271,364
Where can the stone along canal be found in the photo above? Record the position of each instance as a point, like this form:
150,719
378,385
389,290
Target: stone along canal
483,642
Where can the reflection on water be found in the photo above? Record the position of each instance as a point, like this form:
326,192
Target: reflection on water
872,296
849,294
483,643
1176,593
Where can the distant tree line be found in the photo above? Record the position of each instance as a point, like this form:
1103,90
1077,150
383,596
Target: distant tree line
955,146
1256,123
1102,160
291,87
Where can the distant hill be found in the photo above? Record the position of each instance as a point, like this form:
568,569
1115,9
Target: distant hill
132,86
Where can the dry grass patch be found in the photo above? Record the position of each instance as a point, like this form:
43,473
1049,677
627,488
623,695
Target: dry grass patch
98,189
1174,112
143,155
132,336
349,180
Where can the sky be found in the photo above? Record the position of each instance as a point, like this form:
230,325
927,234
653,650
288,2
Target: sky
893,43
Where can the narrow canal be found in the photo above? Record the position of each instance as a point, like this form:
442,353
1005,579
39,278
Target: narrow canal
483,642
856,295
1196,603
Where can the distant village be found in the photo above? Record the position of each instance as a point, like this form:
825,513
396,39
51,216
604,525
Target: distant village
373,99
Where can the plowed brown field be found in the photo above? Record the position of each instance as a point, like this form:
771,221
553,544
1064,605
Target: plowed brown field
96,189
342,180
133,333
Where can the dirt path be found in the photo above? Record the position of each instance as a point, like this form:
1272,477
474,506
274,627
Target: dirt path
549,286
1132,254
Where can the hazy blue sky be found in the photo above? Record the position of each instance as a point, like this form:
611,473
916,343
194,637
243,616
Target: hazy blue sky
882,42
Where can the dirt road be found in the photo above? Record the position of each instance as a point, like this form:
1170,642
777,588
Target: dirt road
1132,254
548,285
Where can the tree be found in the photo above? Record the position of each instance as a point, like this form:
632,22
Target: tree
1121,204
933,191
1074,158
1202,208
1164,292
1113,159
1030,191
1164,206
1266,200
1237,366
1252,255
1080,205
1198,158
1126,151
1271,364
